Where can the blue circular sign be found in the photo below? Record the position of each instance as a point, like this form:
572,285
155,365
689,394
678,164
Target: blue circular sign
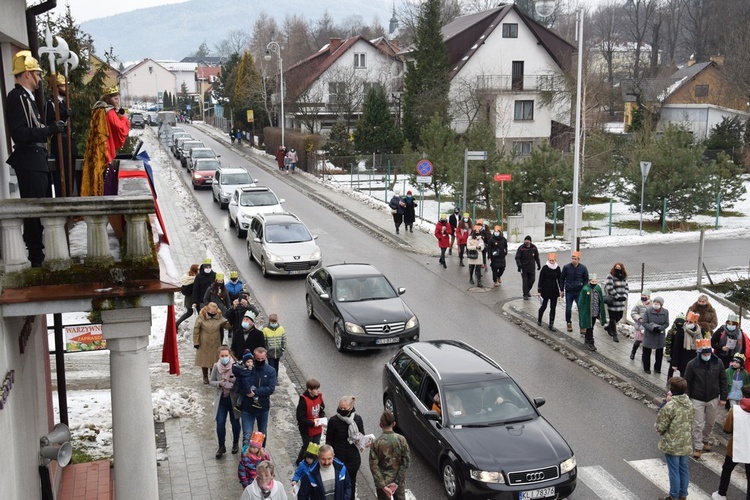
424,167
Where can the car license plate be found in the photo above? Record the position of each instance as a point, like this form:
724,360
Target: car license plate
392,340
541,493
298,271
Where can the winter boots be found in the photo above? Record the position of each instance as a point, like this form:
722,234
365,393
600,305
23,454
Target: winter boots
220,452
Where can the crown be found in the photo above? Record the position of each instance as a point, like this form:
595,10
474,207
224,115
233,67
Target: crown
113,90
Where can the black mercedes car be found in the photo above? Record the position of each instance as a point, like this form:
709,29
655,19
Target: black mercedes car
359,307
470,420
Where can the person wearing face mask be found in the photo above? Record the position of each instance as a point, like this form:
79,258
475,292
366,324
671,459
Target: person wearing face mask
203,280
616,297
257,402
707,388
249,337
222,379
737,378
265,486
409,212
548,289
497,247
655,324
207,335
683,347
636,314
474,247
590,308
275,337
186,290
218,294
462,235
234,286
728,340
442,233
674,350
343,432
453,221
236,313
397,209
527,258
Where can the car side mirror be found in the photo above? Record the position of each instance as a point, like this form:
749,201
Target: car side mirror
218,156
256,180
281,200
325,296
256,240
315,236
538,402
401,290
431,415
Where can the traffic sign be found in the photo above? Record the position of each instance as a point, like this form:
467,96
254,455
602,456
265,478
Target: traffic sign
476,155
645,168
424,167
503,177
424,179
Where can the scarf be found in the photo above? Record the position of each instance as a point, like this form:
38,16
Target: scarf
689,338
226,376
552,266
353,429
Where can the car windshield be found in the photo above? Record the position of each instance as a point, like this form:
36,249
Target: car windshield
287,233
490,402
204,153
258,199
364,288
239,178
206,165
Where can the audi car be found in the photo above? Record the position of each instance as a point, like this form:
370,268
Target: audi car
475,425
359,306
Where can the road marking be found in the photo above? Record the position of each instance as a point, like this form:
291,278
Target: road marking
714,462
603,484
655,470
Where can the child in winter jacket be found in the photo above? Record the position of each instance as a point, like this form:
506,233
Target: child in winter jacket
311,455
737,378
243,372
275,336
252,454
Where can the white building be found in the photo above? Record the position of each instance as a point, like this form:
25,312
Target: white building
145,80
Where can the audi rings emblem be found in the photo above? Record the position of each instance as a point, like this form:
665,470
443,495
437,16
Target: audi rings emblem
534,476
386,328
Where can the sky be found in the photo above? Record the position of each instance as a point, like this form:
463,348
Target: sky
85,10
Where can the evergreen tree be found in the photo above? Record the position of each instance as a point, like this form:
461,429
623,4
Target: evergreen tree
480,176
727,137
441,146
338,146
426,83
247,92
544,176
376,129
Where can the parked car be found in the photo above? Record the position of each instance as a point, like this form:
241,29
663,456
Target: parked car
249,201
282,244
175,137
183,150
473,423
358,305
202,175
199,153
137,121
178,144
226,181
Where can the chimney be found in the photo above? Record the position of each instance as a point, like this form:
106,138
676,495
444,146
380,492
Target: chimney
718,59
334,44
692,60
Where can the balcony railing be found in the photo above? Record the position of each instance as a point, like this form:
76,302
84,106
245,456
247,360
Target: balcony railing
509,83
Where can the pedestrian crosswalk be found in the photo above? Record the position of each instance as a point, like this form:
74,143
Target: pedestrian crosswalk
605,486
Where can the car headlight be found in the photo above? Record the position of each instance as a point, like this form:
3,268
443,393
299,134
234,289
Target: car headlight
273,257
412,322
316,255
197,176
568,465
487,476
353,328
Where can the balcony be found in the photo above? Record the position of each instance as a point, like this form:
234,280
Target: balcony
526,83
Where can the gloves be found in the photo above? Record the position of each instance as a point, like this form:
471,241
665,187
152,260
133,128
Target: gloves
538,268
621,299
56,127
519,269
121,111
196,346
658,330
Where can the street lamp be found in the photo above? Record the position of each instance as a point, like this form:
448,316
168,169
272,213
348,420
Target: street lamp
545,8
277,48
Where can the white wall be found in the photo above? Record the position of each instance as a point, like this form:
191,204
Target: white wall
142,82
697,118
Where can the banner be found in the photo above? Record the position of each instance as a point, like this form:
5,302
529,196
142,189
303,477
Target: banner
250,116
84,338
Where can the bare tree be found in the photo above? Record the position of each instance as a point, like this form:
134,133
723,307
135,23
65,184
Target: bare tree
296,40
265,30
236,42
673,11
698,20
307,106
607,34
640,15
408,16
737,67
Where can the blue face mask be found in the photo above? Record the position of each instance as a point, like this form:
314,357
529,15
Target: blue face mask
273,325
731,328
705,357
224,361
246,325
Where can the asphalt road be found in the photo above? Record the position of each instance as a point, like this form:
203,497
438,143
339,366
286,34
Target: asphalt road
604,427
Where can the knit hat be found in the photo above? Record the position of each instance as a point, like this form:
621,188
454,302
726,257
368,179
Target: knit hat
234,274
646,292
313,449
207,261
680,319
528,237
692,317
250,314
247,355
703,345
219,276
257,439
658,299
733,318
408,192
740,358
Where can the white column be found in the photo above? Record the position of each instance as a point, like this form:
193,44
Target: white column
136,236
126,332
97,252
56,253
13,247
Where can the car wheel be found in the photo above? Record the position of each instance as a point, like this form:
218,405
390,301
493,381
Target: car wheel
308,303
388,404
195,187
231,222
240,232
213,196
451,483
249,252
338,339
263,269
223,206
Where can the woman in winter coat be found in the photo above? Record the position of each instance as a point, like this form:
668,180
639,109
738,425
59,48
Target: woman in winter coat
409,212
292,160
343,432
222,379
280,155
636,314
265,486
680,343
397,209
443,235
218,294
548,289
709,320
655,324
203,280
729,340
497,248
207,337
474,247
616,297
462,235
186,290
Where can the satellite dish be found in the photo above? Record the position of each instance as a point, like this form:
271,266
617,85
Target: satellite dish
544,8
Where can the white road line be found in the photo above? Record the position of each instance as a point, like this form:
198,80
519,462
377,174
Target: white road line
655,470
714,461
603,484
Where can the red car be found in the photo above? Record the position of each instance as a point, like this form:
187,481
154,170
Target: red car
203,172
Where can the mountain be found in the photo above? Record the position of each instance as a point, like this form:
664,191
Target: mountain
176,30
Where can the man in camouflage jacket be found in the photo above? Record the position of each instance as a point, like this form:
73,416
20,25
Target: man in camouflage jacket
674,423
389,460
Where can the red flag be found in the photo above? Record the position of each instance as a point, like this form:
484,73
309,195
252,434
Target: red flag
169,353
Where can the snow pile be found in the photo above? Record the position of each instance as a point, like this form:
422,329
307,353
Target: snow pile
175,404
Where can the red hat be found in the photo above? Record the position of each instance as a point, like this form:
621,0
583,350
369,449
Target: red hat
408,192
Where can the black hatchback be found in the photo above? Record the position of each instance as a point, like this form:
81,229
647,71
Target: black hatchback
470,420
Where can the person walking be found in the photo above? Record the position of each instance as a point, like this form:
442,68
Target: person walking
442,233
680,345
280,156
218,294
409,212
497,248
616,292
527,257
737,378
343,433
310,410
548,289
248,338
186,289
234,286
29,156
293,159
737,424
327,479
572,279
397,209
655,324
674,424
389,460
474,247
708,317
728,340
257,403
636,314
453,221
590,308
207,335
265,486
463,230
236,314
203,281
275,338
707,388
222,379
231,134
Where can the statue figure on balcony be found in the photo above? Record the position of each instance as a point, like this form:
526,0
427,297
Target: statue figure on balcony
29,156
109,129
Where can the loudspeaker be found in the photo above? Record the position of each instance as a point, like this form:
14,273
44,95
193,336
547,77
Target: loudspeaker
60,433
62,453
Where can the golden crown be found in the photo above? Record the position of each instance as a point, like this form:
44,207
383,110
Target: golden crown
113,90
61,79
23,61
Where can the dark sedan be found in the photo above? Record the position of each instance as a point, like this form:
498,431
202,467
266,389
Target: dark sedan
470,421
359,307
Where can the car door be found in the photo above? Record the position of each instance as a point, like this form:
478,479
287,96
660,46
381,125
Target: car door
234,205
215,186
322,283
428,432
405,399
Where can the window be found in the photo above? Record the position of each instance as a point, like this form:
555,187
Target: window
517,76
412,376
510,30
336,92
524,110
701,91
369,85
522,148
359,61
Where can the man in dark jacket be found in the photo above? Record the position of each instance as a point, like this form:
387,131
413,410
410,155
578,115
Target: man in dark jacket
248,338
240,306
572,279
325,475
453,221
69,149
497,247
29,156
527,258
203,281
257,404
707,388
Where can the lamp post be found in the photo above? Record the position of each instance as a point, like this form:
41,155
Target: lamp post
277,48
546,8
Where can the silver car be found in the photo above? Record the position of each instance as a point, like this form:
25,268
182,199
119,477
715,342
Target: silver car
226,181
282,244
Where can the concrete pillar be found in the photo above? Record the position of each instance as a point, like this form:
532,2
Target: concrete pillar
97,252
56,252
568,222
133,442
14,256
136,236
